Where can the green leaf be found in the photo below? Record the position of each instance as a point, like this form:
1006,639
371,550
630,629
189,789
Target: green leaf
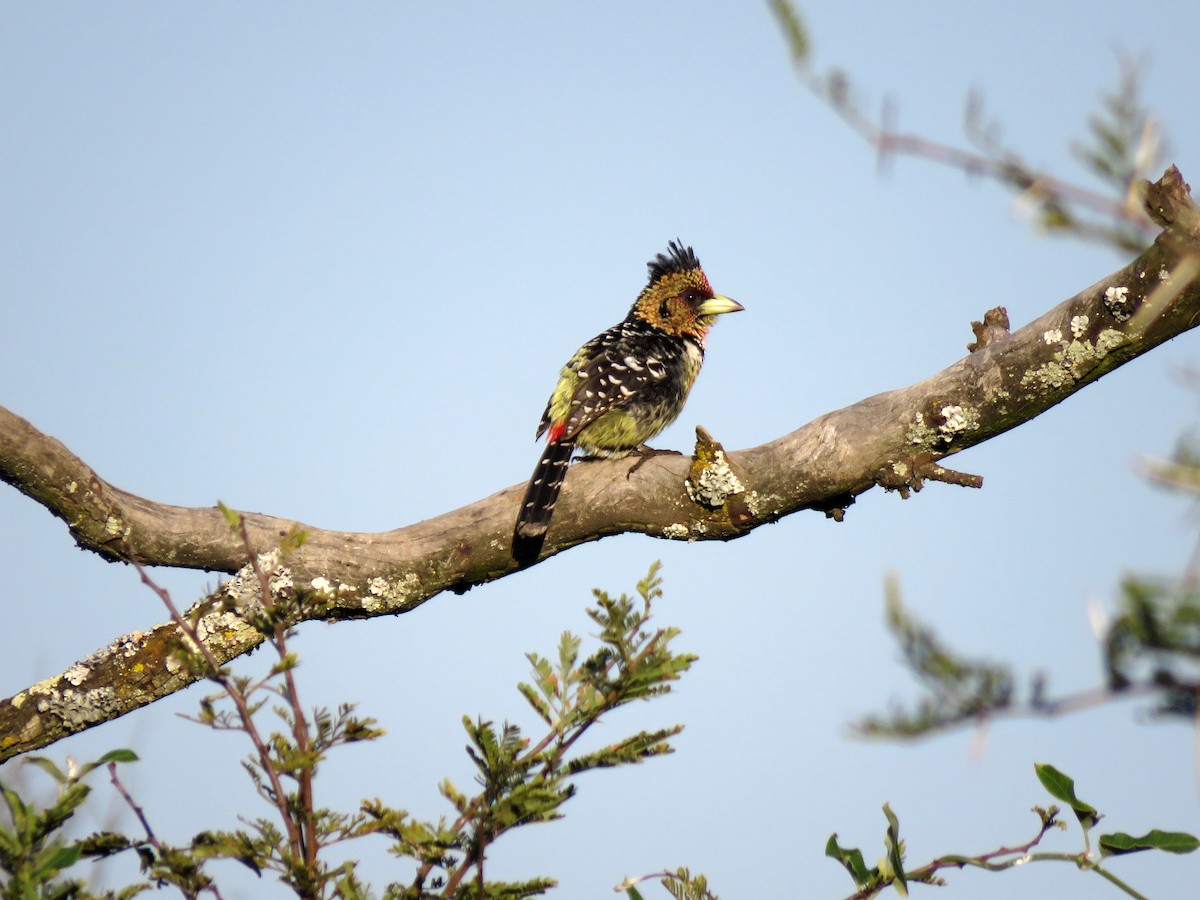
1062,787
1120,843
958,690
852,859
18,811
121,756
49,768
232,517
53,861
112,756
895,849
633,893
539,705
793,29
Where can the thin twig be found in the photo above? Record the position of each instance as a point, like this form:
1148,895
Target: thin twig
133,805
309,839
151,838
241,704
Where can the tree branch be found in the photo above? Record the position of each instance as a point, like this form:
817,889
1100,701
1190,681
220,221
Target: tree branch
894,440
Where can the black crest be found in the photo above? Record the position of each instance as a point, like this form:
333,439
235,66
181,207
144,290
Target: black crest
678,258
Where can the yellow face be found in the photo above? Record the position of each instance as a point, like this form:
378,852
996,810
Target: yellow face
670,302
682,303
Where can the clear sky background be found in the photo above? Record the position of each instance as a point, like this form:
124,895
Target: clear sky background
324,262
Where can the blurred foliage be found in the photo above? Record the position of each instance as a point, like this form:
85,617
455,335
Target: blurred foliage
1149,647
34,851
958,690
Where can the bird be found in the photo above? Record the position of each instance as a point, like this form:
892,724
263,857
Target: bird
624,386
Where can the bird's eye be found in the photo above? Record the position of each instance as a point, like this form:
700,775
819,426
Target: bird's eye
691,297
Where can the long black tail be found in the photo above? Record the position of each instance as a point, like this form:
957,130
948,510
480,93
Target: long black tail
538,505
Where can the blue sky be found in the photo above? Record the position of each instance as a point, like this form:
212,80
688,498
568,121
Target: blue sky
325,261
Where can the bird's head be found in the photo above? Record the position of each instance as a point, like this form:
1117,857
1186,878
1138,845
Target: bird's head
678,298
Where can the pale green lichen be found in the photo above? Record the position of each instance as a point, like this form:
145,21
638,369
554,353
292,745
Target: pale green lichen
754,502
676,531
1046,376
715,483
388,596
224,622
1116,301
957,419
76,709
920,433
244,587
225,628
1074,360
1109,340
328,589
1076,355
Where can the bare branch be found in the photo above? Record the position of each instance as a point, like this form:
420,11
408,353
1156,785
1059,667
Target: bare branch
894,440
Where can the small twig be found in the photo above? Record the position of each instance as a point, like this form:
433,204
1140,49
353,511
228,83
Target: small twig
935,472
1104,873
241,704
1070,703
309,839
133,805
151,838
985,860
1007,858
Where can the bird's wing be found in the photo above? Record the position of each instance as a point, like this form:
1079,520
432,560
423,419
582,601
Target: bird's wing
604,375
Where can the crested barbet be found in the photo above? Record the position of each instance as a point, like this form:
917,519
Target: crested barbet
624,386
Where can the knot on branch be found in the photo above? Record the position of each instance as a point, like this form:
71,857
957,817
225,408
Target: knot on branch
993,327
714,482
835,507
1168,203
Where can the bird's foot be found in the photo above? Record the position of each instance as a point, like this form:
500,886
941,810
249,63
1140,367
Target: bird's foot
644,453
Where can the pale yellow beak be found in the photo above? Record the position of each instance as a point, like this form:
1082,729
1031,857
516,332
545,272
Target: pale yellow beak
718,304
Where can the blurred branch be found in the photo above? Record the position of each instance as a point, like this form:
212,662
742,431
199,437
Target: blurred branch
895,440
1150,648
1121,149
